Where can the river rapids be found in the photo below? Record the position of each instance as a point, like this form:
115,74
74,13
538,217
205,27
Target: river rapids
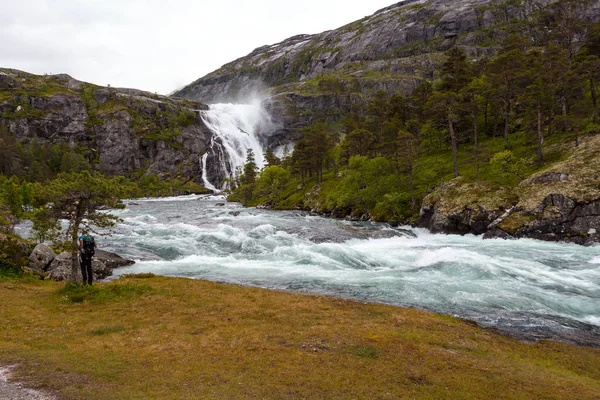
525,288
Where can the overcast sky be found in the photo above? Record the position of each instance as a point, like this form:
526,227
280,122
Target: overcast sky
156,45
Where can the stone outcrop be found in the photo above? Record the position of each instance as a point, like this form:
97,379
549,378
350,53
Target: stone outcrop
102,266
111,260
41,257
460,207
125,131
44,262
60,269
559,204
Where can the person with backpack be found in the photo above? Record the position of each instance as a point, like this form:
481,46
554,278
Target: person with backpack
87,249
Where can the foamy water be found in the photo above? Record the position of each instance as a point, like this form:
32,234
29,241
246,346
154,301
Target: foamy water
236,129
528,288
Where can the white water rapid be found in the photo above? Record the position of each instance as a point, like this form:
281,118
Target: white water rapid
527,288
237,128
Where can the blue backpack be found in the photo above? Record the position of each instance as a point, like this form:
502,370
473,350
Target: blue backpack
89,245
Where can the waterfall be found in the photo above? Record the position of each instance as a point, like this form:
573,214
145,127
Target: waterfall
236,128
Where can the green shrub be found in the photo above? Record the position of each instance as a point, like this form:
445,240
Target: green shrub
77,293
365,352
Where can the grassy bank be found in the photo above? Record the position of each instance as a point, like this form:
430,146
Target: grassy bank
165,338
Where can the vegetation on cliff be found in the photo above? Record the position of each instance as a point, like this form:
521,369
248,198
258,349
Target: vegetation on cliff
54,123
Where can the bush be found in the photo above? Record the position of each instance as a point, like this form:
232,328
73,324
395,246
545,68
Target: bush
13,256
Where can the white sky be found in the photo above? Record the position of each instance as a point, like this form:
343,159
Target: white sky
156,45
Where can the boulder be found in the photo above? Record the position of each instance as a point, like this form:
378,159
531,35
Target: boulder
102,265
100,269
60,268
41,257
111,260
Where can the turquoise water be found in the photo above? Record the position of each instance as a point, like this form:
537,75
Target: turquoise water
529,289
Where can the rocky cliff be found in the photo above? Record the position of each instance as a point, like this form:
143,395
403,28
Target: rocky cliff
121,131
560,203
392,49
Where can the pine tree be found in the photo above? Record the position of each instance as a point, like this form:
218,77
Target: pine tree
79,198
504,72
271,158
250,169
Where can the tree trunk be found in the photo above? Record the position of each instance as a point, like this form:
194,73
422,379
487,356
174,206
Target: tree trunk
594,101
540,134
412,191
476,142
75,240
506,121
485,117
454,145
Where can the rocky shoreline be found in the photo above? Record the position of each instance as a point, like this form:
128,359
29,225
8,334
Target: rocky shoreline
44,262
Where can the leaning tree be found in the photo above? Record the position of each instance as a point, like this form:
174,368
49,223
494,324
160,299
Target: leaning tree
81,199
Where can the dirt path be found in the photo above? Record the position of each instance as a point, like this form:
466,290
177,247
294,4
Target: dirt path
15,391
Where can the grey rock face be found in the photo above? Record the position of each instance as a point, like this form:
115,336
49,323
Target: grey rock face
102,266
562,218
100,269
111,260
126,130
558,218
402,32
41,257
467,220
60,269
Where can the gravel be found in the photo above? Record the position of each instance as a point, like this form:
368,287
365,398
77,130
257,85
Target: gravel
10,390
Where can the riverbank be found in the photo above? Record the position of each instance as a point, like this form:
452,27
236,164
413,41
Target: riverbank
179,338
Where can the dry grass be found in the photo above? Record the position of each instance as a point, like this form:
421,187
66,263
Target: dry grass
453,197
583,168
187,339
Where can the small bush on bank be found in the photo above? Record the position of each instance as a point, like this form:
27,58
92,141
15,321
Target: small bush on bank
77,293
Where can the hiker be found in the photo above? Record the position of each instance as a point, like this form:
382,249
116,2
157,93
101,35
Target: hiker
87,248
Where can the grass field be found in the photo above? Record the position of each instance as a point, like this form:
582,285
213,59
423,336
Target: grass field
166,338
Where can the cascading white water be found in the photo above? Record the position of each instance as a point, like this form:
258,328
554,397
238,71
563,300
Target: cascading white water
236,129
528,288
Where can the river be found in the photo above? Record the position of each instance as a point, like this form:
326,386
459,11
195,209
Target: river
525,288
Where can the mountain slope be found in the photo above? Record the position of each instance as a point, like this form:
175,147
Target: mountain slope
118,131
391,50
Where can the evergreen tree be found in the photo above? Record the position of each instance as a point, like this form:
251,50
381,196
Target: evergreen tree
408,146
359,142
589,70
10,162
312,150
79,198
271,158
456,72
250,169
504,72
446,107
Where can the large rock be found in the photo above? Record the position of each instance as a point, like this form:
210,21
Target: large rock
111,260
102,265
60,268
41,257
100,269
